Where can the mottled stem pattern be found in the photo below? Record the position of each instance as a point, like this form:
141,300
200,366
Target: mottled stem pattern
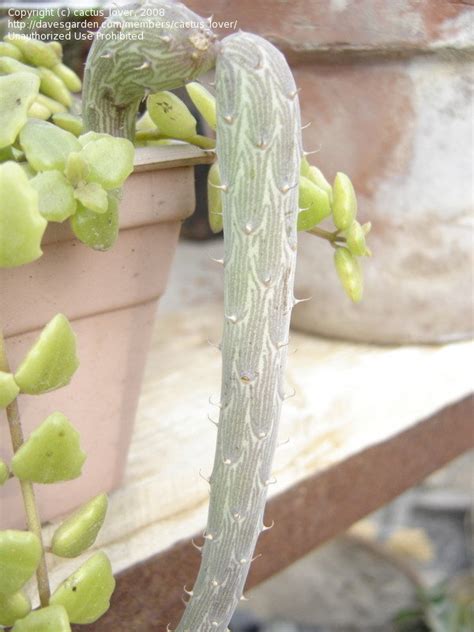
152,45
259,150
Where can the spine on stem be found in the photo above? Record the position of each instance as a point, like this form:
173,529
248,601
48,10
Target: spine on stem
259,151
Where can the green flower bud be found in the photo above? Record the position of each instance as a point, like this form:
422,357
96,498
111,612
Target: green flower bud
355,239
314,204
350,274
317,176
171,115
204,101
344,202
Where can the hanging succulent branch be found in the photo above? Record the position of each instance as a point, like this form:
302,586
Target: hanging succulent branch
145,49
259,150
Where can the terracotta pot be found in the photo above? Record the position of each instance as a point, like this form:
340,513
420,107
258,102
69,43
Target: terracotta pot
387,86
111,299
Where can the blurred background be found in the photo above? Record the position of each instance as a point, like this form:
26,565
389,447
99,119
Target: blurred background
387,88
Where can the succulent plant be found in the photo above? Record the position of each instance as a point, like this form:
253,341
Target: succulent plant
52,453
262,191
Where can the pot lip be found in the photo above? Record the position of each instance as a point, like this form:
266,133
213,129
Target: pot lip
170,157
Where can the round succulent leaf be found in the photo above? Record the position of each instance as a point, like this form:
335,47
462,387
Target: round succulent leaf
350,273
20,554
8,389
4,472
77,169
110,161
51,361
171,115
46,146
68,76
69,122
344,201
21,224
17,94
314,204
34,51
92,196
97,230
49,619
214,199
86,593
13,607
51,454
90,137
204,101
56,199
78,532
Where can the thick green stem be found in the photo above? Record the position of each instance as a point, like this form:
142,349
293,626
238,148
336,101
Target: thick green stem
27,490
259,152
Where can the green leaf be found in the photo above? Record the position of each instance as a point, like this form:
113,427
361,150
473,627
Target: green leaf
204,101
92,196
69,122
51,454
46,146
20,554
34,51
55,195
171,115
90,137
78,532
39,111
54,87
99,231
8,389
51,361
314,204
4,472
77,168
110,161
50,619
17,93
214,199
13,607
9,65
21,224
54,106
86,593
350,274
69,77
344,202
8,50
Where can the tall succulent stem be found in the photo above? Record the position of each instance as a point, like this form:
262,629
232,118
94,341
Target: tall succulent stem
259,151
27,490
